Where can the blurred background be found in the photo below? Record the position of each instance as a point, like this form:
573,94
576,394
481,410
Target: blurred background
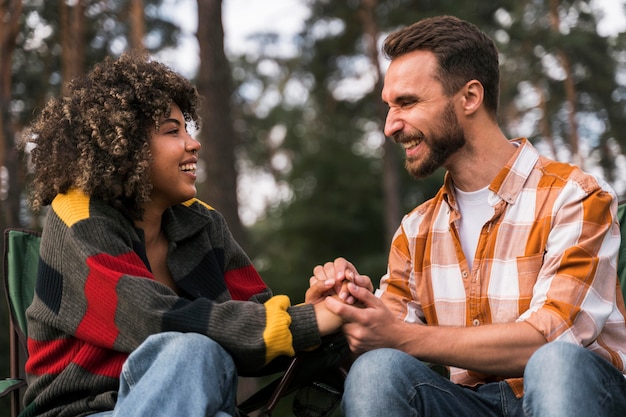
293,152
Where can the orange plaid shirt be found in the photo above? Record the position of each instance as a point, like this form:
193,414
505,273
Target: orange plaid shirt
548,256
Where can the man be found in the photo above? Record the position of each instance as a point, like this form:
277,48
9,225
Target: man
507,276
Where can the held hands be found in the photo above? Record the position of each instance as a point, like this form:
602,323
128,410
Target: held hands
369,326
343,299
332,278
331,281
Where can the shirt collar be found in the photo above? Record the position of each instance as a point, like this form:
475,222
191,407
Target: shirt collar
509,182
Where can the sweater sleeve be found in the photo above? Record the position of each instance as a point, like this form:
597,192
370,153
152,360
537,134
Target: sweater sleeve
95,285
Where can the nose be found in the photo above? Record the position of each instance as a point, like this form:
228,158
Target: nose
193,145
393,123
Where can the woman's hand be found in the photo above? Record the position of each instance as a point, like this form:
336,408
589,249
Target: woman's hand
332,278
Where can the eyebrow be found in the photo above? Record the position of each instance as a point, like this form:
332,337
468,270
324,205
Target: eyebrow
403,97
169,120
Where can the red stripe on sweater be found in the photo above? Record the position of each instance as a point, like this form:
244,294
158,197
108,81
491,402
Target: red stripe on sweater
243,283
51,357
98,323
101,361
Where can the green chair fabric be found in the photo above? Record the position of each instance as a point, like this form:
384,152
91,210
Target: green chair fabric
21,260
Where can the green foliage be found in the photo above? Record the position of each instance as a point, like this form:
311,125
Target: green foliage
37,58
335,174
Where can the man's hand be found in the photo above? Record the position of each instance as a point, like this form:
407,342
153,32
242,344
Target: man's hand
371,325
332,278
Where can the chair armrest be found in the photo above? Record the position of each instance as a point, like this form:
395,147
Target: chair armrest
9,385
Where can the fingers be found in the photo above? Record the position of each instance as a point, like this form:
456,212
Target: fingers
363,295
351,313
314,294
333,273
318,289
331,278
344,293
364,281
341,309
324,274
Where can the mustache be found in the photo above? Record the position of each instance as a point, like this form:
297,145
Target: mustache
401,137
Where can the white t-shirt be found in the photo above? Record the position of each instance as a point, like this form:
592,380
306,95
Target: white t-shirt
475,212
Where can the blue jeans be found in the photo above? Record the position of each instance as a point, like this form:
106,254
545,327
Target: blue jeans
560,380
177,374
563,379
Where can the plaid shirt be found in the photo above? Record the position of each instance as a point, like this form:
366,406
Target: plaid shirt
548,256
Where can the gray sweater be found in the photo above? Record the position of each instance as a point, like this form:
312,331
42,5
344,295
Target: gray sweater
96,301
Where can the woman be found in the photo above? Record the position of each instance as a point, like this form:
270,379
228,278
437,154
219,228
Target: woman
144,304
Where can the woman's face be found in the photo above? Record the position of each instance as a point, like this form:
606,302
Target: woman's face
175,158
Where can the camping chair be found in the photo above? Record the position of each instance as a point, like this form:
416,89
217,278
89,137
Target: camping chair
316,376
21,258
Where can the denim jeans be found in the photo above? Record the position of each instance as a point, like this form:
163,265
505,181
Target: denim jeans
560,380
563,379
176,374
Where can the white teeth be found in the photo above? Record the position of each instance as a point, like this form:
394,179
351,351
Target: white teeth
410,144
188,167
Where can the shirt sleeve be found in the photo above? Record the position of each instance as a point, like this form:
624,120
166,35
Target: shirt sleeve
395,288
574,293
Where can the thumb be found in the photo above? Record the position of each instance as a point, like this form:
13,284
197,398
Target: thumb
363,295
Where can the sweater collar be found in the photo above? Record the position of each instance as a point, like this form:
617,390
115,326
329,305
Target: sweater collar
185,220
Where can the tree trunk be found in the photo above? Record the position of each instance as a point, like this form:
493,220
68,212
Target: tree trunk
391,190
217,134
72,24
137,24
10,189
570,88
544,123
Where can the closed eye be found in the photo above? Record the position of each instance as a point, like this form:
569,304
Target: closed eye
407,102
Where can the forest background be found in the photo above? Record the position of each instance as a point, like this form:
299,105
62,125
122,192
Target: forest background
293,152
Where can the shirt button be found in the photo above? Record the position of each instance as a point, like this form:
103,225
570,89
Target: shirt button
476,322
464,274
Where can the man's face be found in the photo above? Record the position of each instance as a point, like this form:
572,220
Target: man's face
421,117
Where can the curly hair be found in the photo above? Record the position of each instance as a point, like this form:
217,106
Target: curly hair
95,137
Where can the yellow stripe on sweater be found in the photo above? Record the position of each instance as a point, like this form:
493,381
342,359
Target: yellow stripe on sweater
195,200
277,336
72,206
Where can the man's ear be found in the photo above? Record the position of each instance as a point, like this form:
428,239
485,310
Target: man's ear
473,95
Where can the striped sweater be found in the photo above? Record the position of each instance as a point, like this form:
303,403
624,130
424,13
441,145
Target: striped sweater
96,301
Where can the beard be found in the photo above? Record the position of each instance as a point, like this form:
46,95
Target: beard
446,139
